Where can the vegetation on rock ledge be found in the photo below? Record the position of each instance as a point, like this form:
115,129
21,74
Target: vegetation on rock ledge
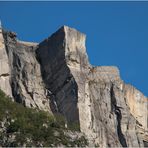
20,126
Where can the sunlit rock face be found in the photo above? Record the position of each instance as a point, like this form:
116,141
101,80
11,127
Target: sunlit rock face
56,76
137,103
4,67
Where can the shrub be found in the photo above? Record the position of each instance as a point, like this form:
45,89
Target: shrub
74,126
32,127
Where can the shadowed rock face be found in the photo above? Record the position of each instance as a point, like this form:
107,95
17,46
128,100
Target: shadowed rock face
55,75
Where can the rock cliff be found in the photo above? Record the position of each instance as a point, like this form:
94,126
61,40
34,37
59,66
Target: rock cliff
56,76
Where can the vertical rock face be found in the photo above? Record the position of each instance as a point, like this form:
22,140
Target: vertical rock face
4,67
138,106
55,75
104,114
25,80
137,103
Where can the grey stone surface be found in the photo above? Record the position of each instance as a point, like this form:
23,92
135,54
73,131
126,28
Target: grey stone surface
25,80
55,75
4,67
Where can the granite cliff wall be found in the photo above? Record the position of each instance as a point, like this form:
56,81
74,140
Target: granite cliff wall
55,76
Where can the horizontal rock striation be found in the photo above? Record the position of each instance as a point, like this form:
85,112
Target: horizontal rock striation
56,76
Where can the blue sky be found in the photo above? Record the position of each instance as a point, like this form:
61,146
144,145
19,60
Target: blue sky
117,32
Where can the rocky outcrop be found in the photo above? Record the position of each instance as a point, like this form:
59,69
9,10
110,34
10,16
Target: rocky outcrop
55,75
25,77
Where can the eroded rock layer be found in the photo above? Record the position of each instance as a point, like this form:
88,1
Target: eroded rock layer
55,76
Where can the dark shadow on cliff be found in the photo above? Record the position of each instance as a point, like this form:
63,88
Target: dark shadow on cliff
117,111
61,87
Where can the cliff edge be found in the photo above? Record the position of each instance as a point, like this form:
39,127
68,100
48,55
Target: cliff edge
56,76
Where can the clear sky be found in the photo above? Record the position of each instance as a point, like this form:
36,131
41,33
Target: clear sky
117,32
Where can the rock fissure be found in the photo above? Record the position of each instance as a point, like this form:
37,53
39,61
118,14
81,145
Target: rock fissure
117,110
5,75
119,130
